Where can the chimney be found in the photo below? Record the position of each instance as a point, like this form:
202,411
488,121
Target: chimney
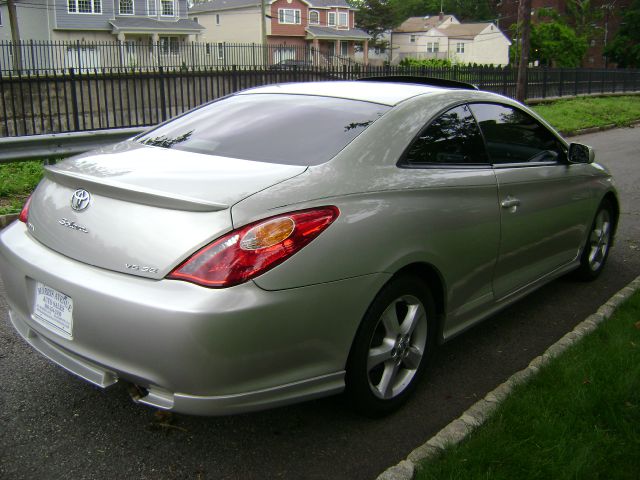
441,16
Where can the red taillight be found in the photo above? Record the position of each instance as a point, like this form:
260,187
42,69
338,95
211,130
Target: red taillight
245,253
24,213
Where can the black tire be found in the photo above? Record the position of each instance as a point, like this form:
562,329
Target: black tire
596,249
387,359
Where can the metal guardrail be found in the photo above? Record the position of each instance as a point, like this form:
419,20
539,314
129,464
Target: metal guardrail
57,145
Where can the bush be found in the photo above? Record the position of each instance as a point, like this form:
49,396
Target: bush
427,62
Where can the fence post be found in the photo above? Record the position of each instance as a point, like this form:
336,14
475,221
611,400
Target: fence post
344,72
589,85
74,100
560,83
78,55
163,98
575,87
234,78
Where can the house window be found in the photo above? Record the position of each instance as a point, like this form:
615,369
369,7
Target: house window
151,8
343,19
413,39
289,15
460,47
217,19
125,7
332,19
84,6
314,17
169,45
433,47
0,19
331,48
344,49
168,9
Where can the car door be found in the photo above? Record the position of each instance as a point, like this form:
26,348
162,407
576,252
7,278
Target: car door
455,202
541,197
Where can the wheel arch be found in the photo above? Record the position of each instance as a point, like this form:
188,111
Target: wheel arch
437,285
612,199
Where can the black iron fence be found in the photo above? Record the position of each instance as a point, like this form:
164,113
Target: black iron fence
93,99
40,57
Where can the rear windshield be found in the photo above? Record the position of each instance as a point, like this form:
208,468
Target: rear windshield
286,129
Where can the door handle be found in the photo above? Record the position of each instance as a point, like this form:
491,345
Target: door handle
511,203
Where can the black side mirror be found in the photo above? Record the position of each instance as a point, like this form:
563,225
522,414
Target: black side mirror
579,153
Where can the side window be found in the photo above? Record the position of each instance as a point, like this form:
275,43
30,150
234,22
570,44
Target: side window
451,139
513,136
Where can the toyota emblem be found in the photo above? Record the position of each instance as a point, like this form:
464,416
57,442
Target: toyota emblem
80,200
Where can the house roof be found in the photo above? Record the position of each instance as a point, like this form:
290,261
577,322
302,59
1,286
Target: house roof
421,24
465,30
214,5
223,5
149,24
330,32
328,3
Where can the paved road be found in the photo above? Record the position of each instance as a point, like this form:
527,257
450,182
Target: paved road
53,425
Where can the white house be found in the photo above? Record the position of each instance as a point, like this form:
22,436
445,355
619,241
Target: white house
444,37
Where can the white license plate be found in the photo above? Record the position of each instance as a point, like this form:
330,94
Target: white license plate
53,310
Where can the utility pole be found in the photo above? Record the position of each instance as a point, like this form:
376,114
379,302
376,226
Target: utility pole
607,7
524,12
15,35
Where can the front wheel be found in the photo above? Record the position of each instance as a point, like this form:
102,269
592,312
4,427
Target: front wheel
596,250
392,347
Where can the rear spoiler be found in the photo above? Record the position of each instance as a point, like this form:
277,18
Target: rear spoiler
433,82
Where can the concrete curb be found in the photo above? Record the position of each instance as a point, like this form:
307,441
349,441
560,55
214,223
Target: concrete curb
480,411
603,128
7,219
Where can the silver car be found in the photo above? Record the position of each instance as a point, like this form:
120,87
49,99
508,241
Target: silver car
298,240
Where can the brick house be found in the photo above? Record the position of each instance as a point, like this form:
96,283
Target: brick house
326,27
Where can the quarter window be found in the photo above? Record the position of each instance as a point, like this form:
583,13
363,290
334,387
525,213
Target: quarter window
289,15
512,136
451,139
433,47
460,47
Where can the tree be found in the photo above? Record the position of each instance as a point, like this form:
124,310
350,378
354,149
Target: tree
557,44
374,16
524,13
625,47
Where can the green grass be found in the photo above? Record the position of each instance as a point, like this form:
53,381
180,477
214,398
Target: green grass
578,419
17,180
578,113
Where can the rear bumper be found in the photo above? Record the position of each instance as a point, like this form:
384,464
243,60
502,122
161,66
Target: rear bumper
195,350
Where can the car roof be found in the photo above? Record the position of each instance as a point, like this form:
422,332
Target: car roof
385,93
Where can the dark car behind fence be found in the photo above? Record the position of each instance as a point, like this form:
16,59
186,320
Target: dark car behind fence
41,101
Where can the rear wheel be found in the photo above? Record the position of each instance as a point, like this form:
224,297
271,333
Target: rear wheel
392,347
596,250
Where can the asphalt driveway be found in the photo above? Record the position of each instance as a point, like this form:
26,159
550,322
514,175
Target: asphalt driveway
53,425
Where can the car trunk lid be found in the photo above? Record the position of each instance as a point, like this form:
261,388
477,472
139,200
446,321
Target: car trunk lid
148,207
